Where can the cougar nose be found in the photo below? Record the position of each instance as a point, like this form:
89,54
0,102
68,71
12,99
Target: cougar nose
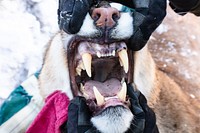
105,16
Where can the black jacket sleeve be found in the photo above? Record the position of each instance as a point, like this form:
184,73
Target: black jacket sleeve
179,6
184,6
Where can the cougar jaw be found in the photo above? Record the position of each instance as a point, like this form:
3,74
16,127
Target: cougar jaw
100,72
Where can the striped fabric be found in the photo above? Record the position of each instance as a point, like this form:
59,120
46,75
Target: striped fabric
21,107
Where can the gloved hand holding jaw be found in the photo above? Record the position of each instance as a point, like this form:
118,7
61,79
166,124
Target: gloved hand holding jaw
147,16
79,115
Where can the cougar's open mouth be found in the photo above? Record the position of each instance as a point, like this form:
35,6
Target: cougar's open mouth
100,72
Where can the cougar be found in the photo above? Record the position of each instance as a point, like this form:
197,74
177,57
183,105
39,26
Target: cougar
97,64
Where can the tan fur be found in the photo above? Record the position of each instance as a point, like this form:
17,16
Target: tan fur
54,75
177,106
175,110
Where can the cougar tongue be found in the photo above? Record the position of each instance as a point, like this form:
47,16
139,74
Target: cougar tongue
108,88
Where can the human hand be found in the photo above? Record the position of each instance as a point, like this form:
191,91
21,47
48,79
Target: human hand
71,14
147,15
144,117
79,115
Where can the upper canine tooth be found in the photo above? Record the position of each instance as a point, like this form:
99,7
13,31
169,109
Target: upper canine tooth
122,94
100,99
120,62
82,66
123,57
87,60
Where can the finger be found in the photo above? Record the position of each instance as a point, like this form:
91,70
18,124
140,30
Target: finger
131,92
78,116
72,13
80,9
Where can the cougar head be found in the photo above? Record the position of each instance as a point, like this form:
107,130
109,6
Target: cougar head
96,63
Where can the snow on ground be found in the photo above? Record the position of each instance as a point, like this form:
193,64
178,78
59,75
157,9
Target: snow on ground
25,28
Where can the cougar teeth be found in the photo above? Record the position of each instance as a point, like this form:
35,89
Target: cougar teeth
113,53
79,68
87,60
82,89
100,99
98,54
78,71
122,94
120,62
123,59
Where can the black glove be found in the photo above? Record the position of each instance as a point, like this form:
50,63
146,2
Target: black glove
147,17
144,117
79,115
71,14
150,118
183,6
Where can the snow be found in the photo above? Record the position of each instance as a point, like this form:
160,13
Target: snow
25,29
192,96
162,29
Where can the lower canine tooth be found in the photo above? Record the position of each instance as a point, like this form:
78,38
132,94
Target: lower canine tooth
82,89
87,60
100,99
123,57
122,94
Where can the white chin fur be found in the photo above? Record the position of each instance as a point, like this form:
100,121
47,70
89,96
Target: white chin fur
113,120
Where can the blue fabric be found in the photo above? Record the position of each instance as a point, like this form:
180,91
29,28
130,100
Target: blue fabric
18,99
37,74
126,9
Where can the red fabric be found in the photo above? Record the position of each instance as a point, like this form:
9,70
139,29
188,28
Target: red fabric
53,114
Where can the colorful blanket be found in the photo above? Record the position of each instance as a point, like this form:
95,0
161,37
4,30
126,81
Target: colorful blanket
21,107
